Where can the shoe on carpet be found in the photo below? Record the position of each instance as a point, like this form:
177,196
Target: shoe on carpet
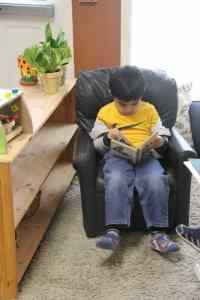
161,242
109,241
190,235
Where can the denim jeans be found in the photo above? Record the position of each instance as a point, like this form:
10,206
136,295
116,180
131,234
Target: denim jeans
151,183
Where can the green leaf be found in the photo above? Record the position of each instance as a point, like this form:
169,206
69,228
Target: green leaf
48,33
48,59
60,39
54,43
30,54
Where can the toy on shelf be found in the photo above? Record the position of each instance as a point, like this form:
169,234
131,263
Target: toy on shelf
10,116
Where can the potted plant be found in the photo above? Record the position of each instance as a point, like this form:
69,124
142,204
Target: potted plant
28,73
47,61
61,44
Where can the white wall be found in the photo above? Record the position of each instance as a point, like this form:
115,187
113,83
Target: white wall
17,33
125,31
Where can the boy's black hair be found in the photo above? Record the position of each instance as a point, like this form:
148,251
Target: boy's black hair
127,83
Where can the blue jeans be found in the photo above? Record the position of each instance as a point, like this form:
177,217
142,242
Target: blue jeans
151,183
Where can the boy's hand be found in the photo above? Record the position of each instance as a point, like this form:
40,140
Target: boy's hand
115,134
157,142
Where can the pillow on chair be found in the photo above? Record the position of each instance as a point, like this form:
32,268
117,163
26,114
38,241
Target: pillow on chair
183,120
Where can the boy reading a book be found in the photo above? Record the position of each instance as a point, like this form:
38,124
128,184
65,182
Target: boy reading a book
121,176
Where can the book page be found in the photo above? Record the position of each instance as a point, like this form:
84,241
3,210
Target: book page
124,150
148,143
131,152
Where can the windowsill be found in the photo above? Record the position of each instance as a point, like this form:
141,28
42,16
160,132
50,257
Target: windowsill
26,2
28,8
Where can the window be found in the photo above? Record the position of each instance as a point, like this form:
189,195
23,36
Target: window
21,1
165,35
27,7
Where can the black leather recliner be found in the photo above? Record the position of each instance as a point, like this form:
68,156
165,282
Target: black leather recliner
194,113
92,92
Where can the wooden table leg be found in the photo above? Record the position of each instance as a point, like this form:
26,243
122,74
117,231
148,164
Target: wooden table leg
8,285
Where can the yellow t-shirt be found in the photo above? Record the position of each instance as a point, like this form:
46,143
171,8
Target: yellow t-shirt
146,114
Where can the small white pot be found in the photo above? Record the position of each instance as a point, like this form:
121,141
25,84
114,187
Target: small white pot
50,82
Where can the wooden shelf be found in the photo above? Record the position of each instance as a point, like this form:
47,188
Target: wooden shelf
14,133
37,108
15,147
38,162
31,230
42,106
33,165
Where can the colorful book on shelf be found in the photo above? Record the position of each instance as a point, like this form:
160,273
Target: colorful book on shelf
193,165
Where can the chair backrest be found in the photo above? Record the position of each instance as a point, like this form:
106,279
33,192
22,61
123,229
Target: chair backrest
194,113
92,92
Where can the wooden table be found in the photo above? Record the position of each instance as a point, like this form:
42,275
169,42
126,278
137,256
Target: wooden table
40,159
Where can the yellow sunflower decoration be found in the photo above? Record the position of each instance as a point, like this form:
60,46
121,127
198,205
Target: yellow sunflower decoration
28,73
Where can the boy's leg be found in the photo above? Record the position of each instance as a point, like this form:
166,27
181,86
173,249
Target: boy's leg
119,177
153,189
119,183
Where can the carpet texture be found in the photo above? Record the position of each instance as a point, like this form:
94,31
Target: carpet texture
68,266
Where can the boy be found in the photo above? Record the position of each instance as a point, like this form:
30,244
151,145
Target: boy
121,177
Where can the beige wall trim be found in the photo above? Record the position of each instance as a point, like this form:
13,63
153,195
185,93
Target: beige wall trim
125,31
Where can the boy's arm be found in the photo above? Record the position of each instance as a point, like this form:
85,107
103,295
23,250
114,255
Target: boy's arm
99,136
157,126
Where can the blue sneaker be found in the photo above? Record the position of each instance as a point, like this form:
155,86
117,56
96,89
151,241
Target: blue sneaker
162,243
190,235
109,241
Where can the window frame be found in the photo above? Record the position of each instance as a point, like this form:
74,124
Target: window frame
44,8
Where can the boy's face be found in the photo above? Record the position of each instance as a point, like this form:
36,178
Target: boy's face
127,108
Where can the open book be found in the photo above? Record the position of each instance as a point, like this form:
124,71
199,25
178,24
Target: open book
193,164
132,153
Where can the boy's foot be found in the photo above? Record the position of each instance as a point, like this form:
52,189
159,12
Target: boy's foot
162,243
109,241
190,235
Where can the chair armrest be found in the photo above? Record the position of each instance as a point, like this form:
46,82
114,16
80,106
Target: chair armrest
84,154
179,150
85,162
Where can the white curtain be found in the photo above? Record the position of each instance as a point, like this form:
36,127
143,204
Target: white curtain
165,34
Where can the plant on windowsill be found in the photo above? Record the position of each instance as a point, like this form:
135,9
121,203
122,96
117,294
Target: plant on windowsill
50,58
60,43
47,61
